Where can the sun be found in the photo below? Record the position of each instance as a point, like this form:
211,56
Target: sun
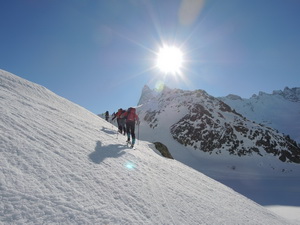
169,60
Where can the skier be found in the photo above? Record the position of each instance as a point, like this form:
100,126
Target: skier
117,115
131,119
106,115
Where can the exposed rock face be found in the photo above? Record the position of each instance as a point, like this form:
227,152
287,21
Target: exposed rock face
201,130
163,150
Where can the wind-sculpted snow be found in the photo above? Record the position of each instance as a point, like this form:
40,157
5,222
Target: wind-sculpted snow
61,164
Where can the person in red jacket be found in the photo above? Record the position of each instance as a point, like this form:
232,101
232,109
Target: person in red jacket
131,119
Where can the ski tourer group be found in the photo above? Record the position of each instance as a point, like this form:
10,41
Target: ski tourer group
126,120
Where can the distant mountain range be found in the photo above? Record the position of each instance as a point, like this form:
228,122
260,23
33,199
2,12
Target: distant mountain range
279,110
229,125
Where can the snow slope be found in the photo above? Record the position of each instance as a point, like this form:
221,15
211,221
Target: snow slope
61,164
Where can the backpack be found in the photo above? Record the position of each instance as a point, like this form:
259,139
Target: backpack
131,115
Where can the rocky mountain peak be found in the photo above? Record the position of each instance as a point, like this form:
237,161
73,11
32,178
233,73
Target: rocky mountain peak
291,94
146,95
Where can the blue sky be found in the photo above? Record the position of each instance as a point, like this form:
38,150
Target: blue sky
100,53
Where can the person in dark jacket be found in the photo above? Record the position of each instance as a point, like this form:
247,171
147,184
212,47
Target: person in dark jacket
106,115
122,122
119,121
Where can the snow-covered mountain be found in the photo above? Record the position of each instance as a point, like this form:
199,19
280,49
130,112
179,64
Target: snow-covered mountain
205,123
279,110
206,134
61,164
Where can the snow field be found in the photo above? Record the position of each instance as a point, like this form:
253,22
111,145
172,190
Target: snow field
61,164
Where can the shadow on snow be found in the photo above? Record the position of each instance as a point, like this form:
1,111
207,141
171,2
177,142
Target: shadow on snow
107,151
109,131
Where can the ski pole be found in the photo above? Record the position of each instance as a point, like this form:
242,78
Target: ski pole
138,133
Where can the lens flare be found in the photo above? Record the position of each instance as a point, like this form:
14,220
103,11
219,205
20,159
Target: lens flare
130,165
159,86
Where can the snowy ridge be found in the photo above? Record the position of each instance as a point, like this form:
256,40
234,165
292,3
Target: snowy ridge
279,110
291,94
61,164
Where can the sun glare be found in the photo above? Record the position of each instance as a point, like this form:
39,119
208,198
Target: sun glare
169,60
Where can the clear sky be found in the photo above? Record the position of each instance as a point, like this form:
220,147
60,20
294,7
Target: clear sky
100,53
